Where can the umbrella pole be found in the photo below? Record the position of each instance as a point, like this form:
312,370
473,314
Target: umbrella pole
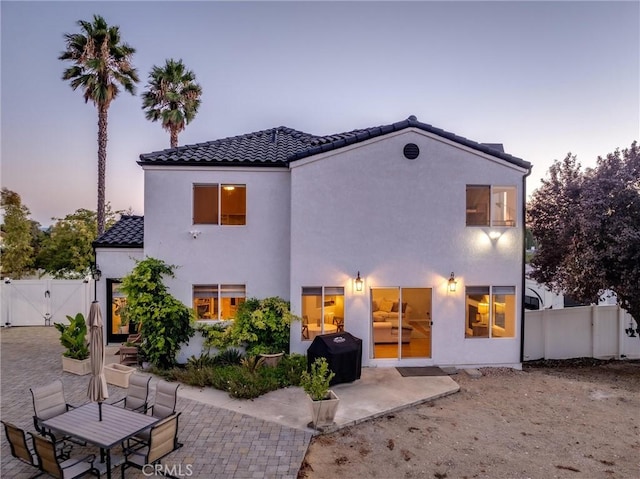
100,411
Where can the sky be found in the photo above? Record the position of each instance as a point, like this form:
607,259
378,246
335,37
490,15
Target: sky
543,78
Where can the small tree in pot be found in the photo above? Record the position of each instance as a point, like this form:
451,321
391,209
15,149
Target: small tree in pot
323,401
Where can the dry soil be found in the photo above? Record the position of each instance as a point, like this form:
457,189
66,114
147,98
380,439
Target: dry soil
566,419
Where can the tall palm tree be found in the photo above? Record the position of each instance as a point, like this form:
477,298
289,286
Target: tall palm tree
173,96
101,65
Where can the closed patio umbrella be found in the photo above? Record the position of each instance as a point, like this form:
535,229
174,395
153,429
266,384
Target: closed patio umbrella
97,383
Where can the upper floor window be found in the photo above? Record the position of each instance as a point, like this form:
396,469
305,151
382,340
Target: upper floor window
491,205
224,204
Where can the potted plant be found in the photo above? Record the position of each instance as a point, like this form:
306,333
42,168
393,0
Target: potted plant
323,401
73,337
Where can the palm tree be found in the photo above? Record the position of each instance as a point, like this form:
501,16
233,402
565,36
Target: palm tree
172,96
101,65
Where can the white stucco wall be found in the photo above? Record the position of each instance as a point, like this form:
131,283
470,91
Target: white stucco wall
256,254
401,222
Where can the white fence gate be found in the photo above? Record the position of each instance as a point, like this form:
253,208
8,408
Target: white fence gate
586,331
43,302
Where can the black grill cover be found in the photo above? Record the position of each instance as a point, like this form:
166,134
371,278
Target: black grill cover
343,352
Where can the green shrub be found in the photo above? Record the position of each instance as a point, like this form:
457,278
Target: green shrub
199,377
217,335
263,325
290,369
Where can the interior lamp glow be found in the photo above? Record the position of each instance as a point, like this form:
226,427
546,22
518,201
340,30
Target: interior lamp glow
359,283
453,284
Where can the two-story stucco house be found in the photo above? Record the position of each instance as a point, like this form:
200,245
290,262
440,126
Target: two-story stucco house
407,236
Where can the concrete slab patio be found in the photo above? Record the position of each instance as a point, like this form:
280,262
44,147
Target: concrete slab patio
223,437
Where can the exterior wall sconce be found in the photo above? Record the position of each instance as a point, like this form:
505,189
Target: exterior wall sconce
195,233
96,274
358,283
453,284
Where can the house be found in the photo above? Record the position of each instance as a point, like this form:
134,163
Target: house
405,235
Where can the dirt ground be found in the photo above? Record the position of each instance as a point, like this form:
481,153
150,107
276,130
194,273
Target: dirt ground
565,419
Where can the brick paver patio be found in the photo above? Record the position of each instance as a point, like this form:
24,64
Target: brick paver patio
217,443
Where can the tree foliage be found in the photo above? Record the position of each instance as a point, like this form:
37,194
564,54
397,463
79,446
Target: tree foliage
18,231
67,251
172,96
165,323
587,228
101,65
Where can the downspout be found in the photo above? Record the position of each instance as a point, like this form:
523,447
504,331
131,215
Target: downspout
524,258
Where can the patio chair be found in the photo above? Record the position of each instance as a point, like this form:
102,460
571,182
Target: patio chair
166,398
49,463
164,406
137,393
48,402
129,355
163,440
19,447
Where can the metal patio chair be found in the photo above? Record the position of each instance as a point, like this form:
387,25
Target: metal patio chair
163,440
48,402
50,463
20,449
137,393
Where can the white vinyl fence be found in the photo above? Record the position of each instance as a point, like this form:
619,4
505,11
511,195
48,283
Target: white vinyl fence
43,302
586,331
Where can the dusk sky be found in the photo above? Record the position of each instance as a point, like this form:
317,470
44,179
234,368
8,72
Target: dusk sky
543,78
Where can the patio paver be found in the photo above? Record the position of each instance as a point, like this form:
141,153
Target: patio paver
218,443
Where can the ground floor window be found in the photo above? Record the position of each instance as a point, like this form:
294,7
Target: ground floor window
491,312
217,301
322,310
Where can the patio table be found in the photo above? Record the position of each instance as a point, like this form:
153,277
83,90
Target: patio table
117,425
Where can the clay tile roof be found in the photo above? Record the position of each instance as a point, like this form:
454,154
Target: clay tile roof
280,146
127,232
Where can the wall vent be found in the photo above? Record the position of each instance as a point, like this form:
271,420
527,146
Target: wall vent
411,151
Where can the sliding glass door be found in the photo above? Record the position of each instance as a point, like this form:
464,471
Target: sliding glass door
401,322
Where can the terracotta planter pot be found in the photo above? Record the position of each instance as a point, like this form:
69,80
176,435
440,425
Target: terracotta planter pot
323,412
76,366
271,359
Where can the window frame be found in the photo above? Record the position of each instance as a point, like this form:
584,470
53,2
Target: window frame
321,303
201,214
237,294
492,306
510,191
